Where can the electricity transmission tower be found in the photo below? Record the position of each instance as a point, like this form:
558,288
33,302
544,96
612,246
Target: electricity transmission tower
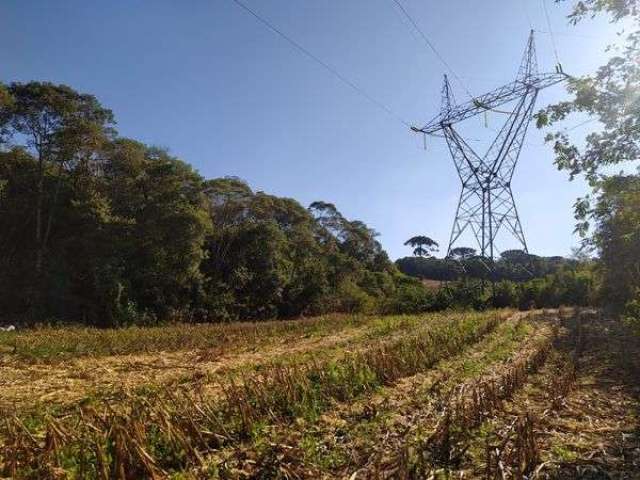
486,201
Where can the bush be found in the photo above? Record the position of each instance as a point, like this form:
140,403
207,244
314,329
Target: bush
353,299
632,313
470,294
410,296
505,294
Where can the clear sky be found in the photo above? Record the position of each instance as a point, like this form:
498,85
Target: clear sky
222,92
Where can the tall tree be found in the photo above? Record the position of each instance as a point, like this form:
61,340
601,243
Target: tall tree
330,221
162,223
616,217
422,245
610,96
63,130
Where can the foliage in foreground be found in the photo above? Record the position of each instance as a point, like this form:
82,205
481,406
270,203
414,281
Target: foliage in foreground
616,215
608,218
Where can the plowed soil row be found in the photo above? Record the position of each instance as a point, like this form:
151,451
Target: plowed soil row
583,407
573,414
38,384
367,438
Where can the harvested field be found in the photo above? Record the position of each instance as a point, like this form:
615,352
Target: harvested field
497,394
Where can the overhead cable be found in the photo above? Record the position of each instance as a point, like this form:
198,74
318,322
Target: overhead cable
551,34
432,47
321,62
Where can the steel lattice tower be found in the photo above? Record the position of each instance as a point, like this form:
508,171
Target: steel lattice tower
486,201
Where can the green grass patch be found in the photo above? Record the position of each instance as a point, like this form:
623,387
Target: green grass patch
61,343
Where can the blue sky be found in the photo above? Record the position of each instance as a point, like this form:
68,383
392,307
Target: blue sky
207,81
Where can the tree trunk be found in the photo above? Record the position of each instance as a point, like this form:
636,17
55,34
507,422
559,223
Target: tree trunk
56,194
39,204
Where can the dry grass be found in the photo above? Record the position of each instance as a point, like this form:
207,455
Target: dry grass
53,344
440,396
464,409
154,433
66,382
347,439
31,382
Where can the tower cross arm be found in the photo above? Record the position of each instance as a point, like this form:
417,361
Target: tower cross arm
491,100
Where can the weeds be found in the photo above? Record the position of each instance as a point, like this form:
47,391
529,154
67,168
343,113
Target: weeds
54,344
514,453
151,436
307,389
465,409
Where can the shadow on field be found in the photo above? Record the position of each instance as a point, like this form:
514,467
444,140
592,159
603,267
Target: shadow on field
604,415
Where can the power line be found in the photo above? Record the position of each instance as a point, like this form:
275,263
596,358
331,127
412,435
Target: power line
568,34
325,65
551,34
590,120
432,47
410,28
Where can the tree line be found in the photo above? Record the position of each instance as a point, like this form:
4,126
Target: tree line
513,265
516,279
104,230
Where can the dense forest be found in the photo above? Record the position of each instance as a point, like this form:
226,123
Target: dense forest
106,231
